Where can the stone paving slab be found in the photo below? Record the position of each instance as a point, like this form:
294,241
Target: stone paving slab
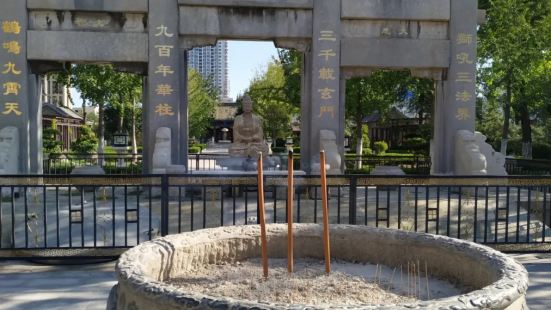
26,285
29,286
539,269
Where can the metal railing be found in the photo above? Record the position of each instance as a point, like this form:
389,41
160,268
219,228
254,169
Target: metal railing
93,216
528,166
111,163
419,165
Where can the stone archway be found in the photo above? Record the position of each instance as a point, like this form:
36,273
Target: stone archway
339,39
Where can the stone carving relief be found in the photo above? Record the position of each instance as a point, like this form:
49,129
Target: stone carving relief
44,20
402,29
9,150
90,21
133,23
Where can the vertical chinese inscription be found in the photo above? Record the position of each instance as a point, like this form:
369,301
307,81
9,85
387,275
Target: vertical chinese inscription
10,84
163,107
462,77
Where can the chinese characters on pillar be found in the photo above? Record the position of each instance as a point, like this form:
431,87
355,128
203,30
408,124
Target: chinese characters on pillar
166,71
10,87
464,76
326,74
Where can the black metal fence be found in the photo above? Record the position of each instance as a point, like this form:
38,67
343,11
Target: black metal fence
528,166
91,216
418,165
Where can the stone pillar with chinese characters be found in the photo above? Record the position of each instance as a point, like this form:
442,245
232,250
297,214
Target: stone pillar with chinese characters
164,105
325,111
18,108
456,97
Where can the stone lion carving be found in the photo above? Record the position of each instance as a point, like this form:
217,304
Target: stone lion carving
468,158
328,143
495,161
9,150
162,153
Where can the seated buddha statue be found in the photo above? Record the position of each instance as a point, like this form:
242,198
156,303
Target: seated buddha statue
248,136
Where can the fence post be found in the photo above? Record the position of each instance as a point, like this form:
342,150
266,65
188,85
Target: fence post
164,205
352,204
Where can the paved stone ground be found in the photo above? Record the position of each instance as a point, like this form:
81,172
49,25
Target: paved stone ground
30,286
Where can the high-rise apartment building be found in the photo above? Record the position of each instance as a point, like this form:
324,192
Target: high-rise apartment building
212,63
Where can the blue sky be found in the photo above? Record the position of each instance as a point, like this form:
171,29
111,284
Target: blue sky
246,59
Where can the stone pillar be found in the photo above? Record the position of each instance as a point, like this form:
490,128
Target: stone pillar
305,111
18,103
325,113
456,97
184,116
164,107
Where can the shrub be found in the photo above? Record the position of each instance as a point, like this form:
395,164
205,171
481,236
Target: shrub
296,149
279,149
417,145
50,143
87,143
367,151
541,150
194,150
380,147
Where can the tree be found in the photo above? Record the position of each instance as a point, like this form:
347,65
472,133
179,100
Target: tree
515,40
376,93
86,143
96,84
50,143
202,96
126,93
291,63
268,92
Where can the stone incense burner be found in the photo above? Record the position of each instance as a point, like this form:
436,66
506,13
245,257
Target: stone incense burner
497,281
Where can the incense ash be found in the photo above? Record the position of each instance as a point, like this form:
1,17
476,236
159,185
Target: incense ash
347,284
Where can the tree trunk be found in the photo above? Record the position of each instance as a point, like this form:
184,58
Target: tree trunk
84,110
121,115
526,131
506,116
359,132
134,142
359,143
101,134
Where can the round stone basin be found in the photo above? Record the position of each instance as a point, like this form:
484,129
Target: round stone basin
496,281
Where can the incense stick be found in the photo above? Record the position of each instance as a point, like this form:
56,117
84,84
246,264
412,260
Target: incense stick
261,216
290,194
326,246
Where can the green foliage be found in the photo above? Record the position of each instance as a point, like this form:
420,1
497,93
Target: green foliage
380,147
194,150
417,145
87,143
50,143
198,146
202,96
381,91
367,151
291,63
541,150
514,50
271,102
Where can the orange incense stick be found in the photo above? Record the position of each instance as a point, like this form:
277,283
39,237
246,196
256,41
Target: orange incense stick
326,247
261,216
290,194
